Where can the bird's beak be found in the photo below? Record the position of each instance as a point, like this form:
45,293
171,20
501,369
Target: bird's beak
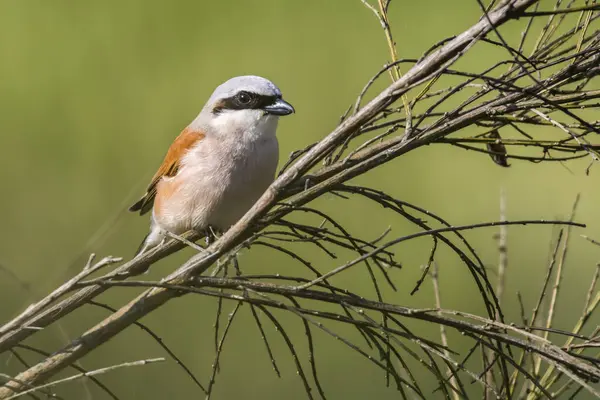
280,107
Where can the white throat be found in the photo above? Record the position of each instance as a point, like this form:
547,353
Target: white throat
248,124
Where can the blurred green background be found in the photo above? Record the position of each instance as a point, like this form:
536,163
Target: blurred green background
91,95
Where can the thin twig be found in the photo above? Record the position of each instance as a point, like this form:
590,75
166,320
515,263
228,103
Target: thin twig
99,371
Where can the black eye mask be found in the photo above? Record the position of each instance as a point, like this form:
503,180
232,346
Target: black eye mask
245,101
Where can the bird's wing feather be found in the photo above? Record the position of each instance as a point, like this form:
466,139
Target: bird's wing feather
169,167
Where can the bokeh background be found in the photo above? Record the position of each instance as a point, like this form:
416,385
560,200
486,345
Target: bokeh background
91,95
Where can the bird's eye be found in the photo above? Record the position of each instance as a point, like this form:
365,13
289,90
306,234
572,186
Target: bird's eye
244,97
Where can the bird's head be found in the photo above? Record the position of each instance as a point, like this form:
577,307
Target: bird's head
245,103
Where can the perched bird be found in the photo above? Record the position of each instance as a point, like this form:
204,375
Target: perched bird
220,164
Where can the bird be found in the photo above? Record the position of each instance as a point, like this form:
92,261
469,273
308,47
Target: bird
219,165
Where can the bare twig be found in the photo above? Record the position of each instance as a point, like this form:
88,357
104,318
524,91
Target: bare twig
88,374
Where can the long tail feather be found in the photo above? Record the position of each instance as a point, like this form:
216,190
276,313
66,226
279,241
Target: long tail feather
142,246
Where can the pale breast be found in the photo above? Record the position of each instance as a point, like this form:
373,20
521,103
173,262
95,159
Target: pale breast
220,179
248,178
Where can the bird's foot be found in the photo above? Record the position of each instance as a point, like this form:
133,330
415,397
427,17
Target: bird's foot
211,235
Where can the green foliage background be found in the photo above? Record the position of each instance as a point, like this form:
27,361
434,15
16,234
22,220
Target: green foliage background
92,93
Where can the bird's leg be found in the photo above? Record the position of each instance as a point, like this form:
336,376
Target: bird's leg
204,233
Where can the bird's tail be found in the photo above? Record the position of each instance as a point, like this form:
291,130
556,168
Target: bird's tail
142,247
154,237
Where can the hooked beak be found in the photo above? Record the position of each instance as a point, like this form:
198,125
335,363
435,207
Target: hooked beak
280,107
